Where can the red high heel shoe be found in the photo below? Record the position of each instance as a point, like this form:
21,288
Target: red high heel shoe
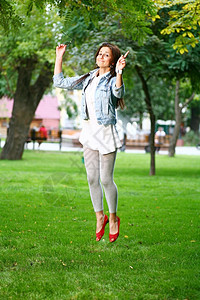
100,234
113,237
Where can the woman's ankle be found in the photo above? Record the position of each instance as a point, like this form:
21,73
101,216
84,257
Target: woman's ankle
100,219
113,218
99,215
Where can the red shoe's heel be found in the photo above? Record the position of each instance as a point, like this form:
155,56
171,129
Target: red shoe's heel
113,237
100,234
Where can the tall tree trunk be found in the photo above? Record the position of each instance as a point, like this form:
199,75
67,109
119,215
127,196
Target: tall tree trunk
153,160
152,119
178,118
26,100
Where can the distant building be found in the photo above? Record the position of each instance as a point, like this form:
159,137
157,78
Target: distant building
47,113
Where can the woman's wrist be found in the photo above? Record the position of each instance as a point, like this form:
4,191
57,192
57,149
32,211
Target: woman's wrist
118,71
119,80
59,58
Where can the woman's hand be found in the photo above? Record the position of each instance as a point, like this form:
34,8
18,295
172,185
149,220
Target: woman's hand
121,63
60,50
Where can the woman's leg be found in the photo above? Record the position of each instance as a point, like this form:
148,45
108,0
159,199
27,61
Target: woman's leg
107,164
91,159
106,174
92,165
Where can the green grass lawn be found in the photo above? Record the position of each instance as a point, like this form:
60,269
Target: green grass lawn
47,230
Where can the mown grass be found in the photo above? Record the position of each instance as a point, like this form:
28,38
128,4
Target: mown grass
47,230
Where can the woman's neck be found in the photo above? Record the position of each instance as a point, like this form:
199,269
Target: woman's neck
103,71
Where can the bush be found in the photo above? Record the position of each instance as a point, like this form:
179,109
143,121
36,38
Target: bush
191,138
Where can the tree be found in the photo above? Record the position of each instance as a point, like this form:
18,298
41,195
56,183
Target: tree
185,68
180,65
183,22
162,92
26,71
152,117
179,107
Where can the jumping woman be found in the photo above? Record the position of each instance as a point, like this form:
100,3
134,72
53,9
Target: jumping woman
102,92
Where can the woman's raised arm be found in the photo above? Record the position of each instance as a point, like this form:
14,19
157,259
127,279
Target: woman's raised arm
121,63
60,50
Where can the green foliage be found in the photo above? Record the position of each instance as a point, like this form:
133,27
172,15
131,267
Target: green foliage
8,81
35,41
69,105
184,22
131,15
152,58
191,138
162,94
9,19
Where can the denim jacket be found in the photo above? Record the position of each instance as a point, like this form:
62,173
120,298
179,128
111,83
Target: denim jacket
106,95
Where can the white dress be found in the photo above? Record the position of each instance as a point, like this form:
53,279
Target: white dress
96,136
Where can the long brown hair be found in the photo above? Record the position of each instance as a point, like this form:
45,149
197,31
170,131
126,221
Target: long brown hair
115,56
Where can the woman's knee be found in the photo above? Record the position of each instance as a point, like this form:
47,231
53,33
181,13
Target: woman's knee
93,180
106,180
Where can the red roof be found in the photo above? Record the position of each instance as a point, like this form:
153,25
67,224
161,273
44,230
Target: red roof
47,108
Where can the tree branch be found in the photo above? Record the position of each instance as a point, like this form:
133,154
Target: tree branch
148,78
145,88
187,101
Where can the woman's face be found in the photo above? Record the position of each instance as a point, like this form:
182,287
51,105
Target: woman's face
104,58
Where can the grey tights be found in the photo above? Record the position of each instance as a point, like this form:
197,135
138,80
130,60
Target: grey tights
101,168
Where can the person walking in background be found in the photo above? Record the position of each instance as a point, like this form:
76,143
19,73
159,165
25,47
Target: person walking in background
159,138
43,132
102,92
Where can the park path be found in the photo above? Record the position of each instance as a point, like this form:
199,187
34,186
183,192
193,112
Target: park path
66,148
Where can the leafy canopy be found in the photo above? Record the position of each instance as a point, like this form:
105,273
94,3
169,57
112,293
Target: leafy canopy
184,22
35,41
131,14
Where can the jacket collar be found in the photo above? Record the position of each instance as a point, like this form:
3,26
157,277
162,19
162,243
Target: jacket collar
95,70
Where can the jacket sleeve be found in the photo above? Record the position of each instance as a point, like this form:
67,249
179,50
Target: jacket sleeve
60,81
117,92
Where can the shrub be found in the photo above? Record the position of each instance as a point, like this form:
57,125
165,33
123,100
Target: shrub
191,138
